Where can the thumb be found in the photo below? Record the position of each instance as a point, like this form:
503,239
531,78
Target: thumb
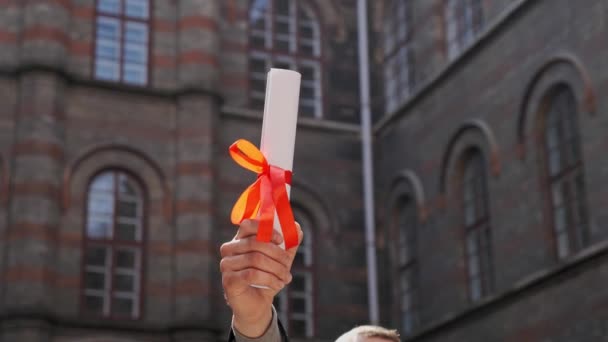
293,250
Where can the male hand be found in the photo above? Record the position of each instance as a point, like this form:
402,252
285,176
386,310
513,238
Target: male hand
246,261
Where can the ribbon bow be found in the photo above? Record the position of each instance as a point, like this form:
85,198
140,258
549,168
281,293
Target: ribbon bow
265,196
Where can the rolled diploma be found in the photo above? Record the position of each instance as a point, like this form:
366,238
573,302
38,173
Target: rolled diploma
280,121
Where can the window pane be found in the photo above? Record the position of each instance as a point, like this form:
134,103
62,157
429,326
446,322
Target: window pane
307,110
94,281
257,65
258,85
308,72
93,304
563,245
126,232
137,9
107,49
306,48
126,186
109,6
104,182
106,70
122,306
281,45
299,282
101,203
298,328
298,305
126,209
125,258
96,256
124,283
136,32
282,7
306,32
136,54
99,228
475,289
135,73
257,42
108,28
257,13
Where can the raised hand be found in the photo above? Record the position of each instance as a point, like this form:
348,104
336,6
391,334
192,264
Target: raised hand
246,261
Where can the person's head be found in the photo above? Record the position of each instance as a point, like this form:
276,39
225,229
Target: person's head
369,333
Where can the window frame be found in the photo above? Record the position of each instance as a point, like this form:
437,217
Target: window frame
271,55
112,245
467,18
410,267
399,57
480,228
285,296
567,175
123,19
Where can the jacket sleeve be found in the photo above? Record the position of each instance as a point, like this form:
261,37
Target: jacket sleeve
274,333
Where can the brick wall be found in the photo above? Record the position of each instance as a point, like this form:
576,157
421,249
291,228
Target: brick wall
517,59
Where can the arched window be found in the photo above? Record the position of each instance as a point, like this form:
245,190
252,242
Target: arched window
295,304
565,171
122,41
405,258
398,62
464,20
113,246
478,239
285,34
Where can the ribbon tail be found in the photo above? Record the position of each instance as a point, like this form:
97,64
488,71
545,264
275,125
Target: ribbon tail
266,212
283,208
248,204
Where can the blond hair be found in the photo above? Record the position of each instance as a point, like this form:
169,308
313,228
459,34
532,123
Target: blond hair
355,334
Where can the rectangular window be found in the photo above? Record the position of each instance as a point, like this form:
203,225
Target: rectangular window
122,41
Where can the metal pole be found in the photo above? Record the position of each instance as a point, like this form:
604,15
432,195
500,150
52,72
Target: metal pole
368,174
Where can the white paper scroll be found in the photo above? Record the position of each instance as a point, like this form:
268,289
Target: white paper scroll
280,121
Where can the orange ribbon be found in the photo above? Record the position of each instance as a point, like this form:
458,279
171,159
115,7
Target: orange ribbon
265,196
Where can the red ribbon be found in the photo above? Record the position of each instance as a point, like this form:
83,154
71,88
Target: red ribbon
265,196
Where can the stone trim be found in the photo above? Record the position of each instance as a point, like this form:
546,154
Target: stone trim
321,124
171,94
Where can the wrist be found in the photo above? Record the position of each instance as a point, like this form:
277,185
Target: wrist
253,327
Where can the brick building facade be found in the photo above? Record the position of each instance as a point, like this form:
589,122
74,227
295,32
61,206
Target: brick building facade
116,185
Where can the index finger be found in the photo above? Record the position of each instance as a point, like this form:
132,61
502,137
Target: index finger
250,227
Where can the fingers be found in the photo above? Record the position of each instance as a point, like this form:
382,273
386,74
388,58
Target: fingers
258,261
250,244
234,280
250,228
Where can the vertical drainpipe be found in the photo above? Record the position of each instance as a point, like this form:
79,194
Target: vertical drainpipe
368,172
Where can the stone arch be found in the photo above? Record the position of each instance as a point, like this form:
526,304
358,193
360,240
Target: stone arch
310,201
560,69
95,159
472,133
408,183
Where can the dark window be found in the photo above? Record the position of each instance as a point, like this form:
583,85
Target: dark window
464,20
565,172
478,240
122,35
406,263
113,249
398,62
295,303
285,34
